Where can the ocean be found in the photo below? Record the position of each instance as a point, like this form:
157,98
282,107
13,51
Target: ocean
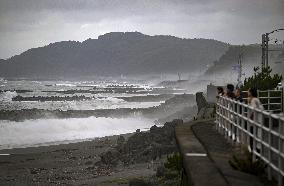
75,96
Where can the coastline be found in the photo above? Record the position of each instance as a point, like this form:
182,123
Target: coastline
56,164
40,148
102,161
110,160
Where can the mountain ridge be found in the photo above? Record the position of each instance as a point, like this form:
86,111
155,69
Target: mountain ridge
115,53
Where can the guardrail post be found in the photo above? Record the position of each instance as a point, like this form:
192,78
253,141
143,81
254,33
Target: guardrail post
280,178
248,129
238,123
282,100
218,116
268,100
230,121
254,135
225,119
269,149
243,125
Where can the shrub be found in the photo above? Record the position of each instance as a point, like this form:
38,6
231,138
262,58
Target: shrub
245,163
174,162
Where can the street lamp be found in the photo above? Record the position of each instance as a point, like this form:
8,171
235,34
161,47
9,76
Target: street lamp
264,46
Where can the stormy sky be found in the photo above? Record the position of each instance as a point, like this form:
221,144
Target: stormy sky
27,24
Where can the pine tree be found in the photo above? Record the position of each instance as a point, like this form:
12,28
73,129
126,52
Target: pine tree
262,79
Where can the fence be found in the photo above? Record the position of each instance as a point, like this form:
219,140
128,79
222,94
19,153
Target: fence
272,100
261,131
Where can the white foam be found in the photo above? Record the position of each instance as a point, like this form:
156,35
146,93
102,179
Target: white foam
55,131
65,84
111,99
7,96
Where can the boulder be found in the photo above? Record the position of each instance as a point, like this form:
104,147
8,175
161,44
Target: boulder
120,140
206,113
200,101
111,157
138,141
140,182
143,146
205,110
160,171
209,113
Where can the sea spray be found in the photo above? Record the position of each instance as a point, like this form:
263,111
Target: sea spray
56,131
7,96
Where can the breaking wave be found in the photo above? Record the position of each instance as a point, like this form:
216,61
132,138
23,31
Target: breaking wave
7,96
44,132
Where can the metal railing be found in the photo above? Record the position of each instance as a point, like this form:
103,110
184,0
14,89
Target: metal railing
272,100
261,131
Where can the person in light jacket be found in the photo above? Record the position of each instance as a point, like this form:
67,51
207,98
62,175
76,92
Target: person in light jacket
254,102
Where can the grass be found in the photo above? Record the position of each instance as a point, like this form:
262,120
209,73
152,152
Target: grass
244,163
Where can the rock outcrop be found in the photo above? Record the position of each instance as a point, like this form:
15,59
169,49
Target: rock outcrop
200,101
143,146
205,110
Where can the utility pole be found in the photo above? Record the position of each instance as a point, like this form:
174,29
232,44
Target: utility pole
240,66
265,46
240,70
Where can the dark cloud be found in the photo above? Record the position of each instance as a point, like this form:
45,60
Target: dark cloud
31,23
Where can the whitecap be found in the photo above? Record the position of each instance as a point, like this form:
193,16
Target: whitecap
56,131
7,96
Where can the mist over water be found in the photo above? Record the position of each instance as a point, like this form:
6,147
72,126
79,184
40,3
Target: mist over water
55,131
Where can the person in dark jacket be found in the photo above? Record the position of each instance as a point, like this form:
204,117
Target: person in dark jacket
220,91
230,91
238,95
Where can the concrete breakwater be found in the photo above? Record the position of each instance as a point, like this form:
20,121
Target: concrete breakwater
52,98
171,106
147,98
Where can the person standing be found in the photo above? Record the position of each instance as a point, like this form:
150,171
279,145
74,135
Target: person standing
254,102
220,91
238,95
230,91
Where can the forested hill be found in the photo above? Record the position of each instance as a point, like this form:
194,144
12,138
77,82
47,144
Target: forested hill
114,54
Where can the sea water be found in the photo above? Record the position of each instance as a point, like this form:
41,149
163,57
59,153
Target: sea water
43,131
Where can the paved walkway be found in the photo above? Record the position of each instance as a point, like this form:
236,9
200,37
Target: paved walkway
206,154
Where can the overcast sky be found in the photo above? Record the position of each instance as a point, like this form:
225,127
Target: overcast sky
27,24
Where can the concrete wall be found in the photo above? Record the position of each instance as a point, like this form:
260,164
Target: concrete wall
211,93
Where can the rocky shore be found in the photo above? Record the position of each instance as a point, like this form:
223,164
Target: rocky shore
143,146
116,160
131,159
